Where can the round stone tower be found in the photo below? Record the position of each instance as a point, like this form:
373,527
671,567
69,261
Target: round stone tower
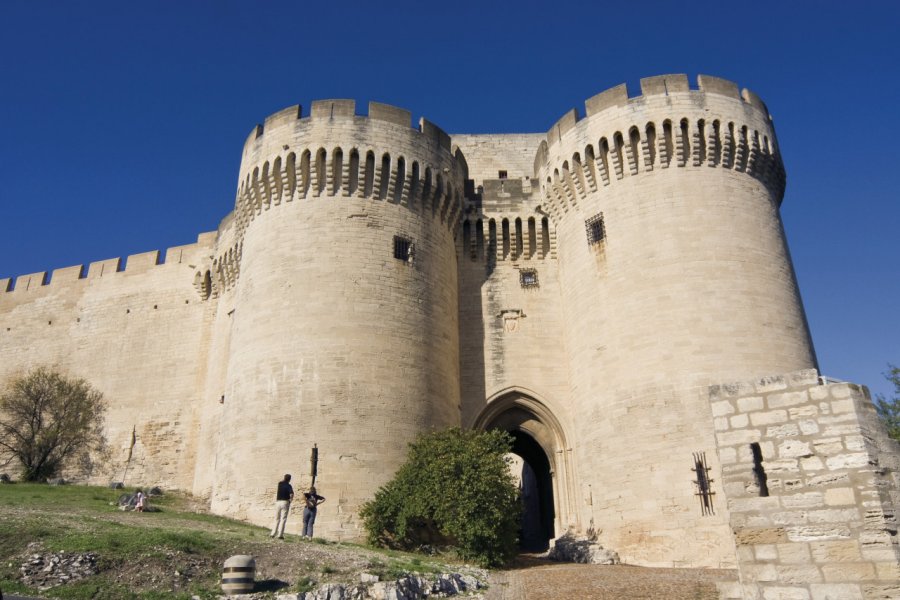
675,275
344,329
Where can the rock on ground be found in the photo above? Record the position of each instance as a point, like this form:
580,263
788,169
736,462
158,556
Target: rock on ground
570,548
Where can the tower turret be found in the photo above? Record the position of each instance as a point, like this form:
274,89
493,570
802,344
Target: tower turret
674,274
344,323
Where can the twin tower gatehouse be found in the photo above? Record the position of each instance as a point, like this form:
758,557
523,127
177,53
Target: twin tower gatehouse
617,293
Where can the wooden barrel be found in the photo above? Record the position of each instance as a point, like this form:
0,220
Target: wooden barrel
239,574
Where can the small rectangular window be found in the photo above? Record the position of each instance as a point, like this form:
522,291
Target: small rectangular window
403,249
528,278
596,230
502,175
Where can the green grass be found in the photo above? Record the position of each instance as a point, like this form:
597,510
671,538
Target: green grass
305,584
86,519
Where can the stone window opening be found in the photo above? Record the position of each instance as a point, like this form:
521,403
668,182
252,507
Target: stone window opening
404,249
502,175
759,473
528,278
596,229
545,237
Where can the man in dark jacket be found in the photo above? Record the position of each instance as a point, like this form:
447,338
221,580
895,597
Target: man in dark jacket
282,506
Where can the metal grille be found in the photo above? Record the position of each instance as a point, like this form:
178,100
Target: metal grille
703,483
401,248
528,278
596,231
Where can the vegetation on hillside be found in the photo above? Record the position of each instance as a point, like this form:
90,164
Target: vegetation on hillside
175,553
455,489
889,408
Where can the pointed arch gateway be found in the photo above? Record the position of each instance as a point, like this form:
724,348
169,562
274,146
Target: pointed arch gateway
547,474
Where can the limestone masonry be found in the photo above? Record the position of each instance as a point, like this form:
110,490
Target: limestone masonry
595,290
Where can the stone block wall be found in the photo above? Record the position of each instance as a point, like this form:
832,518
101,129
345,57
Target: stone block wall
813,484
136,334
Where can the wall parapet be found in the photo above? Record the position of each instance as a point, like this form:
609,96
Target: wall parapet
658,85
132,264
346,109
669,125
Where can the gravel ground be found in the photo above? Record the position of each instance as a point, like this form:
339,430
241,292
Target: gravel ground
538,579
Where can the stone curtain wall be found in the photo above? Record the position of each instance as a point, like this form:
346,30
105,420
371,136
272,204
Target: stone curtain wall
827,528
138,335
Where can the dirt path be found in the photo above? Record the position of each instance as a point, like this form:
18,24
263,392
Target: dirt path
536,579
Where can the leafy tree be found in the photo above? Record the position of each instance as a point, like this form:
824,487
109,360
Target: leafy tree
454,489
889,409
48,421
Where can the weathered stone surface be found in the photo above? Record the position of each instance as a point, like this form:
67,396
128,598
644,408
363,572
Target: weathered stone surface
794,449
571,548
786,399
785,593
782,431
848,461
881,591
794,554
757,536
828,479
836,551
802,500
811,463
858,571
798,574
836,591
722,408
811,533
768,418
765,552
833,491
839,496
751,404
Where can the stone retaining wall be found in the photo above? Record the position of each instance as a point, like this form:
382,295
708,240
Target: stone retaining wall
813,484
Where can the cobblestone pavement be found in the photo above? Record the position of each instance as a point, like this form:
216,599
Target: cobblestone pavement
537,579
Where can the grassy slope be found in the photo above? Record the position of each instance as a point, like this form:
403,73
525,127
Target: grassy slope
174,553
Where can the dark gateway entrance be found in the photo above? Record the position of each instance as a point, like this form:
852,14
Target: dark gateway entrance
537,494
539,442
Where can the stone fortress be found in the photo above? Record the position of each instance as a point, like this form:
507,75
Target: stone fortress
617,293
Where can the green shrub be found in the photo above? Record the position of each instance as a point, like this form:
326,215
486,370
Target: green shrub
455,489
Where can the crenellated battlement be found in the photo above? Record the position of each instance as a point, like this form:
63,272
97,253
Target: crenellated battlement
335,153
668,125
341,109
654,88
132,264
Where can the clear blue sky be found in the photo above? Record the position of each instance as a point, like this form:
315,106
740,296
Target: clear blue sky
123,122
